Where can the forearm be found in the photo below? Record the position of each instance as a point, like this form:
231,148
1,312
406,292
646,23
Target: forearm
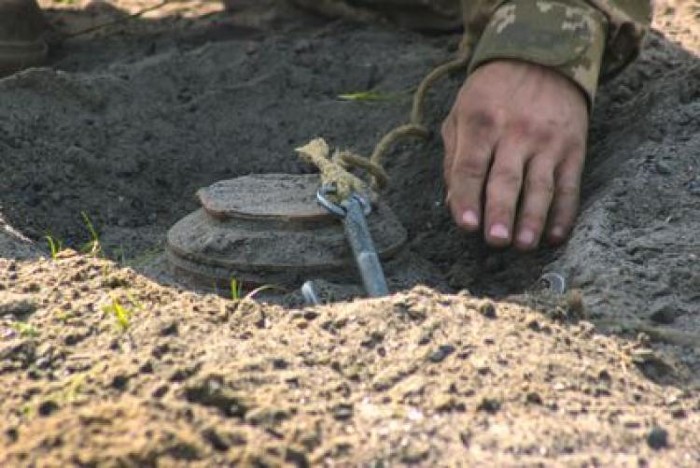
582,39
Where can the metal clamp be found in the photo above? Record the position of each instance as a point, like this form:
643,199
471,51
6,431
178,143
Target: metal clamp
340,210
554,282
353,212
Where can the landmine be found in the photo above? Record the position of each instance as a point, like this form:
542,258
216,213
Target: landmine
269,230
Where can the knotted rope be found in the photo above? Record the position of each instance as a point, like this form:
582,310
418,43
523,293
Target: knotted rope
336,169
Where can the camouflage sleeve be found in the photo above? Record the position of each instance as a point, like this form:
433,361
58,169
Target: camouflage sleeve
583,39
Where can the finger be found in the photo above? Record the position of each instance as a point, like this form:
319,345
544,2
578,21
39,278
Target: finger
566,199
474,148
448,140
538,192
503,192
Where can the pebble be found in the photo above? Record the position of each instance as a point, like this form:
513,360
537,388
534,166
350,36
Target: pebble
17,305
664,315
489,405
343,412
534,398
47,408
657,438
441,353
663,168
487,309
694,187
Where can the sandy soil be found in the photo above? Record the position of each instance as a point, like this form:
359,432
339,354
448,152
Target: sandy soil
103,361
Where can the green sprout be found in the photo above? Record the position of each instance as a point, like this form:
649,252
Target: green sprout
25,330
236,289
368,96
93,247
121,314
55,246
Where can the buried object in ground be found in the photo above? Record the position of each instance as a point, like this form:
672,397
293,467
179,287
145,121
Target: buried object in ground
268,229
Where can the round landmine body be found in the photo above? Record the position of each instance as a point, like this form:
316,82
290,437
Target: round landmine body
269,230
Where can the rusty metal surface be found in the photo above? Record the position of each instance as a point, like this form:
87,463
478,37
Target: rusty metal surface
269,229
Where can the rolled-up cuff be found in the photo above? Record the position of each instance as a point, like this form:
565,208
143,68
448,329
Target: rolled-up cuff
566,35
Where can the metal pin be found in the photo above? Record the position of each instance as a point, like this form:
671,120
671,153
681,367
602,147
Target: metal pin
554,282
360,240
353,212
308,290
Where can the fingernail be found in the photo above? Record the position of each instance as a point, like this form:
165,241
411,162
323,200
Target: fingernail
557,232
499,231
526,237
471,219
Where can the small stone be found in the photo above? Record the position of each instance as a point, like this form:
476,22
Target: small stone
12,435
18,305
43,363
267,416
447,403
630,423
663,168
679,413
146,367
534,398
169,329
657,438
489,405
343,412
251,48
664,315
280,364
441,353
487,309
415,453
160,391
310,315
694,187
48,407
119,382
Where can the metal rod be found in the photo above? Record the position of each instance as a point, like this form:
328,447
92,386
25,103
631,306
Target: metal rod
360,240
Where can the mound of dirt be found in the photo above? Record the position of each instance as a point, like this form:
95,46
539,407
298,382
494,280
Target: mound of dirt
109,362
416,378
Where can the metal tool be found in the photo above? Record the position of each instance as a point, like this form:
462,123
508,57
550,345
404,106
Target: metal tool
308,291
555,282
354,212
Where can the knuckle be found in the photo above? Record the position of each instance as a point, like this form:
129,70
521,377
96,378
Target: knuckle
576,146
537,130
471,167
534,219
507,176
545,134
540,183
499,210
567,190
483,119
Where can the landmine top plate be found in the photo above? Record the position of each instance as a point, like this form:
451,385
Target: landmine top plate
269,229
264,196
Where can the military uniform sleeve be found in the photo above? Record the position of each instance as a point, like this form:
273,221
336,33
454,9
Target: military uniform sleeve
583,39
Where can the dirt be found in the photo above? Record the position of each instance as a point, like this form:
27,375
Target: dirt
105,361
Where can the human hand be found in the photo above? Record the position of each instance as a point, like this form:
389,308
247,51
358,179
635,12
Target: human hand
515,144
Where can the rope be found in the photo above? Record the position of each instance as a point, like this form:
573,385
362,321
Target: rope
336,170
